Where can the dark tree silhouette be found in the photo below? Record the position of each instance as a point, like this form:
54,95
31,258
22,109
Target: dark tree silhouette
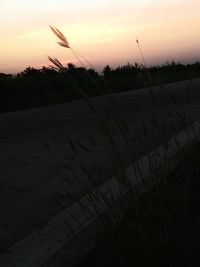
38,87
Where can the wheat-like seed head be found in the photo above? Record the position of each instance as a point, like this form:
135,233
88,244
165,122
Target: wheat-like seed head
57,63
61,36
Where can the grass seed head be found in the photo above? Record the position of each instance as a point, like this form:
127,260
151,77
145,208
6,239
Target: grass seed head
57,63
61,36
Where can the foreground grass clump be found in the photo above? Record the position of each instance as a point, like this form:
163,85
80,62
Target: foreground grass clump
166,231
156,230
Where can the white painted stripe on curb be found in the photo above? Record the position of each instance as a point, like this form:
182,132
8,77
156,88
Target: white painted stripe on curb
42,244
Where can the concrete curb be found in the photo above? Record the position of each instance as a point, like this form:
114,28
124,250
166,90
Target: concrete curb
37,248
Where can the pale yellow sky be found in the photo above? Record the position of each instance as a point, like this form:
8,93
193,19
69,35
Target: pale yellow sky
104,31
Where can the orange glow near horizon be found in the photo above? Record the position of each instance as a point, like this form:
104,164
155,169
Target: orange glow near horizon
103,31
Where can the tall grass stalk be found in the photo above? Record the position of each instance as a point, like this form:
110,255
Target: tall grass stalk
120,126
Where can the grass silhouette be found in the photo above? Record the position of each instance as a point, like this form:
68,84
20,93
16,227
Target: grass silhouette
111,217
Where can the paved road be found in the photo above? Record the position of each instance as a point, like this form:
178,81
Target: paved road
36,155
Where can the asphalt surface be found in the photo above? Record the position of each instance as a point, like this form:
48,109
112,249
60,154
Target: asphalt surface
43,150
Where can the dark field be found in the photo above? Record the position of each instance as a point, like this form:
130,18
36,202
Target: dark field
48,153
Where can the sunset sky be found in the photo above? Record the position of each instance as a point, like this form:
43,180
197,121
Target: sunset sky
104,31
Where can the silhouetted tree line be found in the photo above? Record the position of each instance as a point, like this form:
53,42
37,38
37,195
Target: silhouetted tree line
39,87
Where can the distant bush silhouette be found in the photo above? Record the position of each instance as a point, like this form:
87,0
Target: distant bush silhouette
39,87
